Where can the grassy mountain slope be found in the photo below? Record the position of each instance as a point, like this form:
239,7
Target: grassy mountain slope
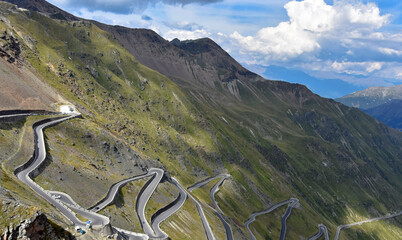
277,140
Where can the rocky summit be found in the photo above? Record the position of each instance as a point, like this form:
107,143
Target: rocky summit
113,132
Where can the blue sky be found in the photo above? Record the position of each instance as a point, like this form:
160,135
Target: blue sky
332,46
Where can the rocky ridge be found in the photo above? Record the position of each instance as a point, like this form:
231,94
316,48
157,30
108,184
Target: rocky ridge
35,228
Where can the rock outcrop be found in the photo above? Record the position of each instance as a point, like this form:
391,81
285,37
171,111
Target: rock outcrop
37,227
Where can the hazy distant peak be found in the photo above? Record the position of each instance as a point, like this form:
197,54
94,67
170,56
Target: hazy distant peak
372,97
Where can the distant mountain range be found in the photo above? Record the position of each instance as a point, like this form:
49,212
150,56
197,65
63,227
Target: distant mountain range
382,103
372,97
329,88
390,113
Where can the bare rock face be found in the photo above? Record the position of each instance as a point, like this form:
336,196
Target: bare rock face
37,227
10,48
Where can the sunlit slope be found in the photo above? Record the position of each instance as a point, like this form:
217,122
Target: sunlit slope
276,139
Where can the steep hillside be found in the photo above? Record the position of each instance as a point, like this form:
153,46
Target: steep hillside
43,7
22,87
205,116
372,97
389,113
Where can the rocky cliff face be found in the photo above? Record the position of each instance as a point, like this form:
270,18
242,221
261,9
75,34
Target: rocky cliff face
197,63
35,228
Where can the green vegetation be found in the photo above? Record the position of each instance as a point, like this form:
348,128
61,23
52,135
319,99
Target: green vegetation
277,141
385,229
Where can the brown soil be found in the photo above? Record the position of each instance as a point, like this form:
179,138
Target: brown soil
20,88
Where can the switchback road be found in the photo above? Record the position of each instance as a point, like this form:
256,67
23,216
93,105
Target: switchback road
168,210
293,203
114,189
64,203
270,209
322,229
207,228
39,158
15,115
338,231
144,195
218,212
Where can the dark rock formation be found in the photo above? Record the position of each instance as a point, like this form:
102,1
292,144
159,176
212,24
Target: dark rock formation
37,227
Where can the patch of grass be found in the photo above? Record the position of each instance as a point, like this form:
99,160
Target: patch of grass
81,218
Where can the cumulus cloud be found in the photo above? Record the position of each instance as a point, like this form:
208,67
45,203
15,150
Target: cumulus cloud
390,51
186,34
123,6
360,68
311,22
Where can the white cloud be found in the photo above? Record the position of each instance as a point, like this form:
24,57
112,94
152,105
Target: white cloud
285,40
186,34
310,23
390,51
347,37
361,68
123,6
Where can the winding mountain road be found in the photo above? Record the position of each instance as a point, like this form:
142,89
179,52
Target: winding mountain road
69,202
15,115
205,223
293,203
114,189
161,215
270,209
144,195
165,212
39,158
338,230
61,201
322,229
66,205
204,182
217,211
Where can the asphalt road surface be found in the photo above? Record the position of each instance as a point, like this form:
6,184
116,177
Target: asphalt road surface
111,195
167,211
39,158
64,203
15,115
96,219
144,195
292,204
207,228
254,215
322,229
204,182
218,212
338,231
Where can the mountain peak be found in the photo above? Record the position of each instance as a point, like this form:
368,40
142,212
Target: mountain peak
198,46
44,7
372,96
